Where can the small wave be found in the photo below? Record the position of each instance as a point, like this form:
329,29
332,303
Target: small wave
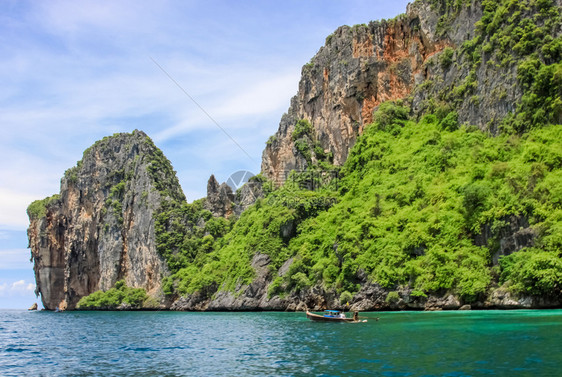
140,349
16,349
370,361
176,348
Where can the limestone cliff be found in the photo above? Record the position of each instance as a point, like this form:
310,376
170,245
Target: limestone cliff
220,199
426,57
358,68
101,227
222,202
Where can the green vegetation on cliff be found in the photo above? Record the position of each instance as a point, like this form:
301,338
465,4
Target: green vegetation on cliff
424,205
431,205
521,36
38,208
417,200
521,33
118,297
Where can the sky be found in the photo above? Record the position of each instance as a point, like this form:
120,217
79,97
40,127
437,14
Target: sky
73,72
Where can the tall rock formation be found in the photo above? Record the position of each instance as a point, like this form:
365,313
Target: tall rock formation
220,199
357,69
222,202
456,60
100,229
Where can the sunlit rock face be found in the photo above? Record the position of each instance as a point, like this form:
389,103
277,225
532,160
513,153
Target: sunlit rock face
101,227
357,69
362,66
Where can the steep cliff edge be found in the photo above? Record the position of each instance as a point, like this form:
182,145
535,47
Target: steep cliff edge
100,229
356,70
457,67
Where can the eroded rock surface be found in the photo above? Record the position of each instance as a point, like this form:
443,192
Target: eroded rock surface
101,228
356,70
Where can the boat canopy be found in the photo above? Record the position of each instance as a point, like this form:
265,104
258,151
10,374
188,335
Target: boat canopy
332,311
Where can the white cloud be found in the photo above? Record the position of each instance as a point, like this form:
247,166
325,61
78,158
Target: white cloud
15,259
248,94
17,288
68,16
13,206
265,96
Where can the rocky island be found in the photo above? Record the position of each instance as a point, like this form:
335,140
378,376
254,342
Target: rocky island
419,166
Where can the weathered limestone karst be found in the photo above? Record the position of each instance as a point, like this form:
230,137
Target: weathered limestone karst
220,199
222,202
357,69
362,66
101,229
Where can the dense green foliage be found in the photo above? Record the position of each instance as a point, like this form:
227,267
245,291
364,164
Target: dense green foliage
117,297
413,202
185,236
521,32
416,196
308,146
38,208
302,128
533,271
221,256
446,57
164,177
512,35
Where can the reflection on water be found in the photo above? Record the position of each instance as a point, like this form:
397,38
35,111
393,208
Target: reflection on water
256,344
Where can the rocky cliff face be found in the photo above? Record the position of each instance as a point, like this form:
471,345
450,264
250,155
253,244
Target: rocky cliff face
371,297
423,57
438,58
358,68
222,202
220,199
101,228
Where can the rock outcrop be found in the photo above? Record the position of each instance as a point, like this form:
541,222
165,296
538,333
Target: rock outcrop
371,297
513,236
101,227
220,199
222,202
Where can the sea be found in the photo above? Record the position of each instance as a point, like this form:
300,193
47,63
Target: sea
459,343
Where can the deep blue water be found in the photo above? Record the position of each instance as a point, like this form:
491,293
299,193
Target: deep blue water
478,343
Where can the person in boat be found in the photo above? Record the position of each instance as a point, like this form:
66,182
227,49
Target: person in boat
355,316
332,314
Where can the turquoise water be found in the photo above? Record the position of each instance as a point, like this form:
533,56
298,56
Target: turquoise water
496,343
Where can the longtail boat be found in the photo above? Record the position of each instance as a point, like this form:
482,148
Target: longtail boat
332,316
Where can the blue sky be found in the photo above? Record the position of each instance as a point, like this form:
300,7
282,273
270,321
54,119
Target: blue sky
74,72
